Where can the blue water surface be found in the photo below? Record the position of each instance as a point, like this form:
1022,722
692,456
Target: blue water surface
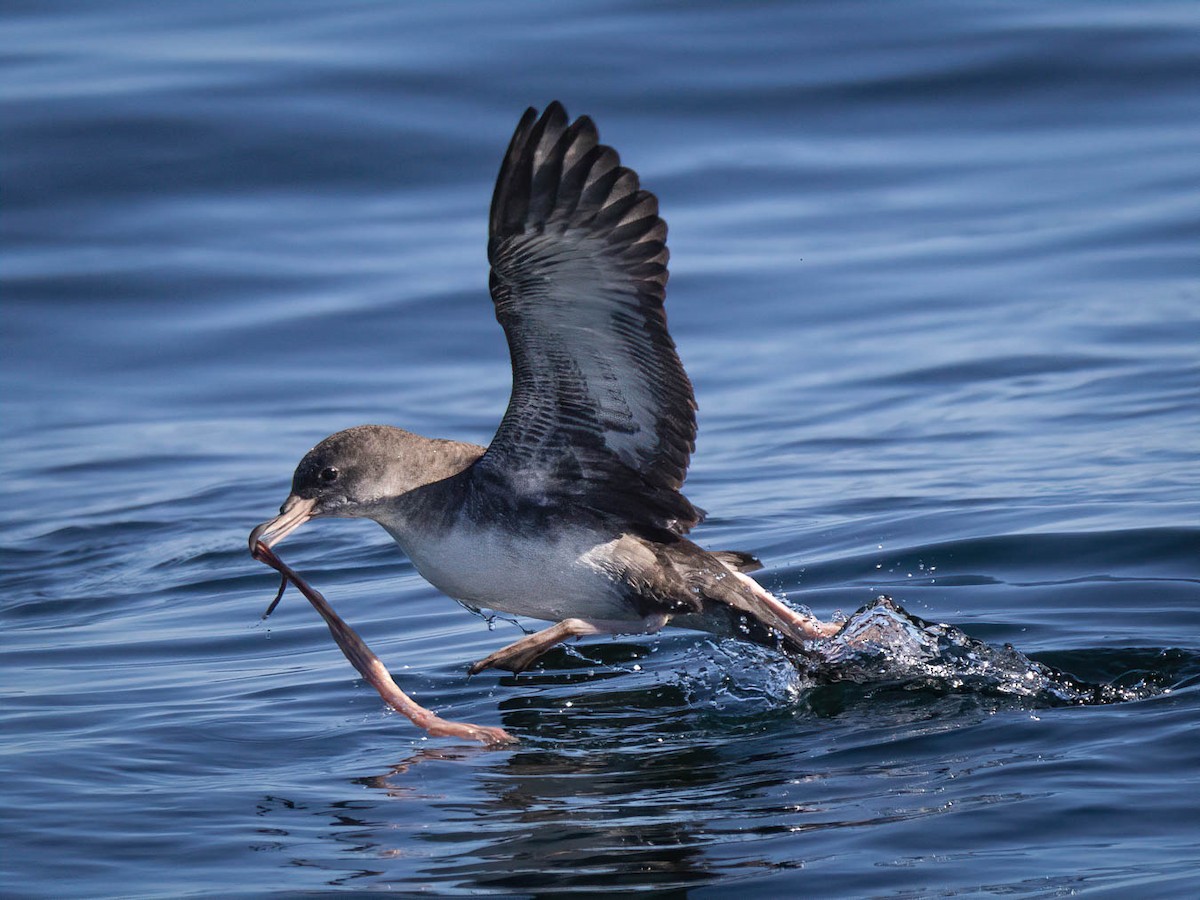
935,275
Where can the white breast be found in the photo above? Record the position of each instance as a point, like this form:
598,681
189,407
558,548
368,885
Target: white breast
551,576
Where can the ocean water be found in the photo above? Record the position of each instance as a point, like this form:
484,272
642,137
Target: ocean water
936,277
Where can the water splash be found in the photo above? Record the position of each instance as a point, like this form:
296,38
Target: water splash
882,643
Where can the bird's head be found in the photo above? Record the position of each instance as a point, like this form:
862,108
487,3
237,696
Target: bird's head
348,474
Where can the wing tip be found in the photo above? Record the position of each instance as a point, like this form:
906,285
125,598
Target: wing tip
556,172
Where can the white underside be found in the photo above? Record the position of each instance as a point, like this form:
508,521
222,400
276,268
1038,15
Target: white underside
550,577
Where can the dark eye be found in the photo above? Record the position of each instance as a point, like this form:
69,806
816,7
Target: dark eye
329,475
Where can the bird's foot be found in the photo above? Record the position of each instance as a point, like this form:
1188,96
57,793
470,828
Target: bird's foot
828,629
509,659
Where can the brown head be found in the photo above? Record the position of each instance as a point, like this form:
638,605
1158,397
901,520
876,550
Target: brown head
354,472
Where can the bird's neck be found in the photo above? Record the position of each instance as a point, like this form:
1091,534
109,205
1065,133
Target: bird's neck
431,491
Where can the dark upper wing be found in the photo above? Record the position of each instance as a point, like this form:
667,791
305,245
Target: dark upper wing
602,413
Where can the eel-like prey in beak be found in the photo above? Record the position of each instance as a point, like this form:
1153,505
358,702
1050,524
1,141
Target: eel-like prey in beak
370,666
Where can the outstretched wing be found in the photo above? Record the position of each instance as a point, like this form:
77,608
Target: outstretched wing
602,413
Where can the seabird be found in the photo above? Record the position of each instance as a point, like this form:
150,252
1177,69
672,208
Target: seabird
573,514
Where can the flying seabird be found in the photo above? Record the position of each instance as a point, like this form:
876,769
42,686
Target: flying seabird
573,514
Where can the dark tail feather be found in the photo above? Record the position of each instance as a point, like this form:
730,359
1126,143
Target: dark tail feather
736,559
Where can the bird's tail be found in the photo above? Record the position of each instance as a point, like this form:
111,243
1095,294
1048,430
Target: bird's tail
734,604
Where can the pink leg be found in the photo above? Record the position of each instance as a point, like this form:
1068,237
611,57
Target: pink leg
786,620
519,656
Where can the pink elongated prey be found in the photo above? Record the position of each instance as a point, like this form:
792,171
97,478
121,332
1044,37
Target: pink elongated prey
371,667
